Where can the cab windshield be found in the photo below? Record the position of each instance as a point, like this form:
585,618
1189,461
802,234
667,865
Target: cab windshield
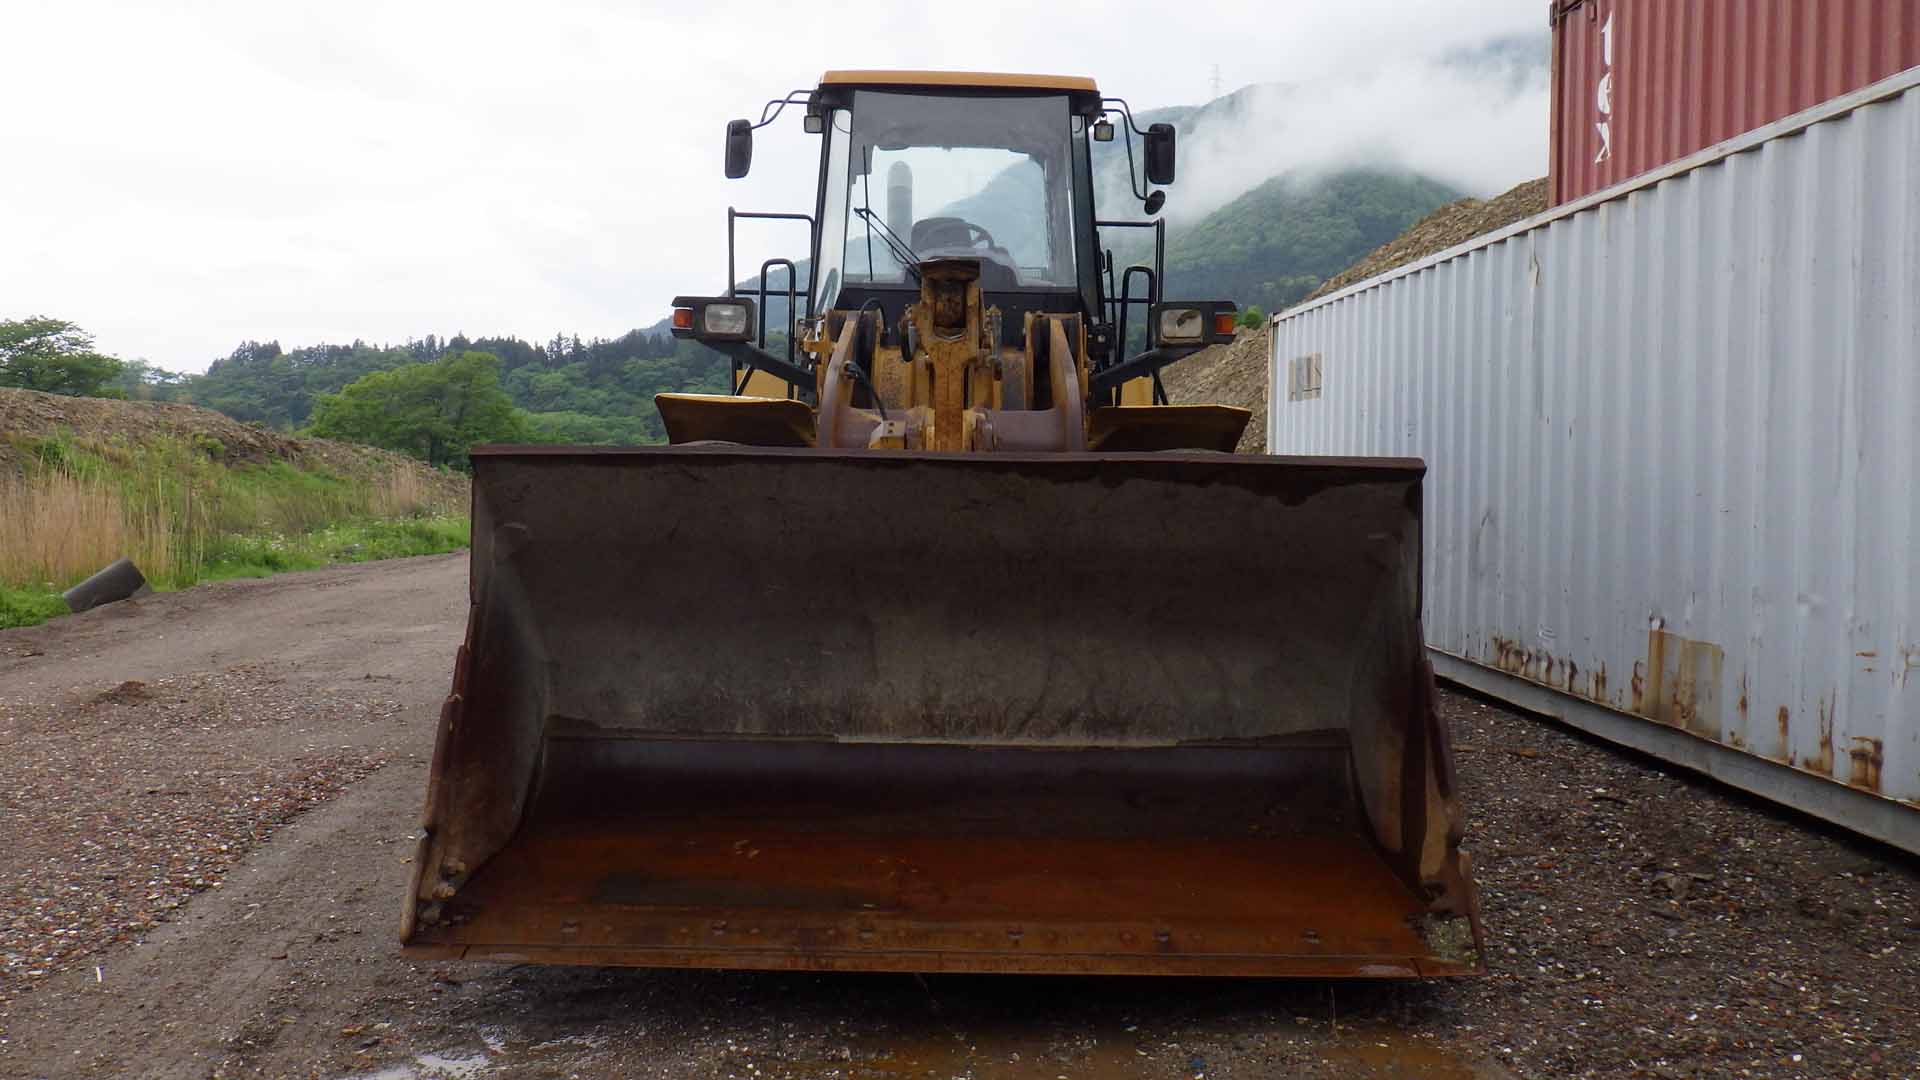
913,177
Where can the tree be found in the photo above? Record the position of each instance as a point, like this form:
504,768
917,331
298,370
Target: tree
1253,317
56,356
434,412
141,381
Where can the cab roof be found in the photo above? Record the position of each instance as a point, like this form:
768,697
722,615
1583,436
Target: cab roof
972,80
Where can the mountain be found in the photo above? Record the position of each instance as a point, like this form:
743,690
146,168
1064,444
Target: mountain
1271,246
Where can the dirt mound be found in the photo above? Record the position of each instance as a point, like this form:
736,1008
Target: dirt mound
1454,223
28,415
1234,374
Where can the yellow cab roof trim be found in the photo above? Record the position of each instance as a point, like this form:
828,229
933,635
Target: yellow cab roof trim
970,79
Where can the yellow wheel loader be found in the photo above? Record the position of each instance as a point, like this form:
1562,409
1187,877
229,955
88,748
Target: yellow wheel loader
944,642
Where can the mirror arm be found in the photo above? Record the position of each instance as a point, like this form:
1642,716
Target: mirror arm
1124,110
772,110
1141,190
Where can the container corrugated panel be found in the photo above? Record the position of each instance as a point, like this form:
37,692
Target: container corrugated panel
1640,83
1673,439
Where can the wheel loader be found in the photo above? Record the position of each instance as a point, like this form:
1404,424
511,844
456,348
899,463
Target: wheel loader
945,642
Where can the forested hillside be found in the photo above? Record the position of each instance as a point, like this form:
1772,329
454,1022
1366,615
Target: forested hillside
571,390
1271,246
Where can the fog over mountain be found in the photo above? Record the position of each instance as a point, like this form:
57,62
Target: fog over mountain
1473,119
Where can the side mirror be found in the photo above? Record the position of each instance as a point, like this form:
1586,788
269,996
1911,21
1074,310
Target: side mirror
740,148
1160,154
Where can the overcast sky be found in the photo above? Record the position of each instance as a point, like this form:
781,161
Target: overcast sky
178,177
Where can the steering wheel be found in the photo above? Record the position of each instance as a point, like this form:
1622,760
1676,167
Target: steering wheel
939,232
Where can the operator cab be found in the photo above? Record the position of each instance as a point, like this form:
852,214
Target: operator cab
925,169
995,173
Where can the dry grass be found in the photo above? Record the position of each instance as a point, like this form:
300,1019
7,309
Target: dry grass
57,527
405,494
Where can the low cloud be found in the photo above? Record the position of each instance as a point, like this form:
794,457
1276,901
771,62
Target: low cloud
1477,123
182,176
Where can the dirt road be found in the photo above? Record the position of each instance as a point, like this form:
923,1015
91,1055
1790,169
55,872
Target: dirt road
209,799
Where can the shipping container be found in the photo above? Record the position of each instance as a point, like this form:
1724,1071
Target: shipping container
1641,83
1673,443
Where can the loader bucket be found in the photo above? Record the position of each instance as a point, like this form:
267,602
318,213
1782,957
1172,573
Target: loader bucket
1158,713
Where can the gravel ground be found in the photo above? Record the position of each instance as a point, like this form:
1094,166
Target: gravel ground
126,801
1640,923
1644,923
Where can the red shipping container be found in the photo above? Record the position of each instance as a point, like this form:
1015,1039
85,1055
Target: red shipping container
1640,83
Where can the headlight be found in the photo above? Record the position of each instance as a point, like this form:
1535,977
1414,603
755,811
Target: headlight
724,320
1182,326
713,318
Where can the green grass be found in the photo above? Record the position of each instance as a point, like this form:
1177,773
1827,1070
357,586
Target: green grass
351,542
26,607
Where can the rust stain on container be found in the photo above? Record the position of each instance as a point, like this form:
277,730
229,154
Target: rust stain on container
1640,83
1682,686
1865,758
1540,666
1508,656
1786,742
1822,762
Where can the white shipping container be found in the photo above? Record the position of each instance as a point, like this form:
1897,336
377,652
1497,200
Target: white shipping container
1672,433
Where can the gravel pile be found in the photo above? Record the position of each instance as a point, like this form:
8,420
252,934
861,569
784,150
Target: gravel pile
123,802
1236,373
1232,374
1454,223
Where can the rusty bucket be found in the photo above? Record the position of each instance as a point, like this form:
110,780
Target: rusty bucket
1161,713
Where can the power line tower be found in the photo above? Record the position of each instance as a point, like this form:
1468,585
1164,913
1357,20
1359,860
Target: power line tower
1216,82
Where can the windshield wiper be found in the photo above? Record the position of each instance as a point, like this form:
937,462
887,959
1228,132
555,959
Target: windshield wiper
892,239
